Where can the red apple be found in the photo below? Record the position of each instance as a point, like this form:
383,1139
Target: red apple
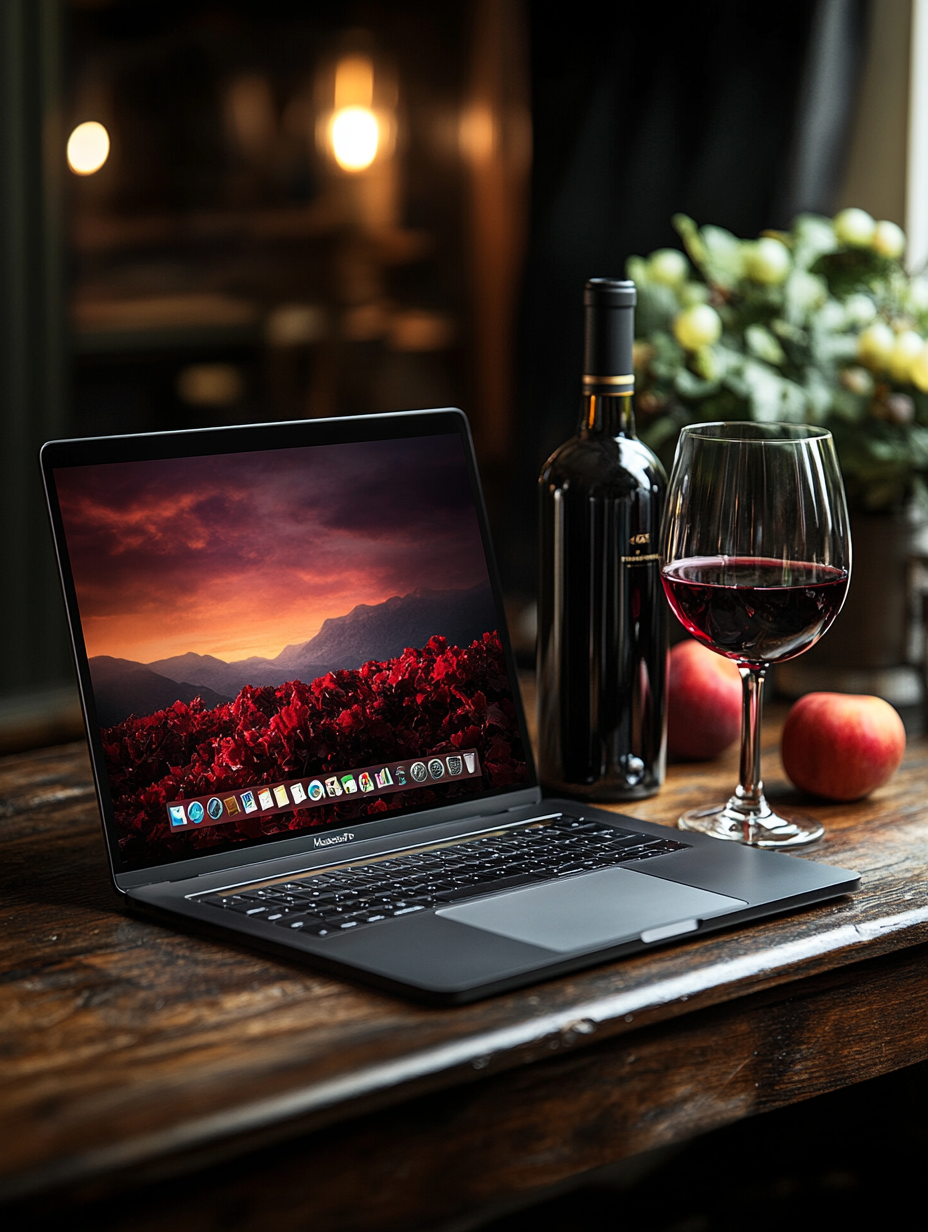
842,745
703,703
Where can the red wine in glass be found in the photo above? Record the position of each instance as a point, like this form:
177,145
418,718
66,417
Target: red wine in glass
754,609
756,559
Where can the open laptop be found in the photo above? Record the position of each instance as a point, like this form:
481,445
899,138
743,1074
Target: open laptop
305,723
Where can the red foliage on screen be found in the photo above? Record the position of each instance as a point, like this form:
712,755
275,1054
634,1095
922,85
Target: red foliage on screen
432,700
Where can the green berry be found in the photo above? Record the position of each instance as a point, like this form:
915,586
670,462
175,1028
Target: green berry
888,239
875,345
697,327
668,266
907,347
767,261
854,228
693,293
918,370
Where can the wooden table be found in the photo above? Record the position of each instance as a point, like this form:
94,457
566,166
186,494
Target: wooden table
201,1086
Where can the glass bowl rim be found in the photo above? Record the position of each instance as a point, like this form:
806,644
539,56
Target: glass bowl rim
793,433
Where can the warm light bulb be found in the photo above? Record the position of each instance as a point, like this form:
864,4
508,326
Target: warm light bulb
355,137
88,148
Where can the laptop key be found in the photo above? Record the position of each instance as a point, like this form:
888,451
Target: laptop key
298,922
488,887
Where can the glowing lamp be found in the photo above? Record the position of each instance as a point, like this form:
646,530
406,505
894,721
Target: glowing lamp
88,148
355,124
355,136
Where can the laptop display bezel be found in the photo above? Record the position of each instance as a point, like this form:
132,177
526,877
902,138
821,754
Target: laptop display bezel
205,442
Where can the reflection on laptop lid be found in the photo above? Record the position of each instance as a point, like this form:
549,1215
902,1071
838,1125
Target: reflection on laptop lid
280,639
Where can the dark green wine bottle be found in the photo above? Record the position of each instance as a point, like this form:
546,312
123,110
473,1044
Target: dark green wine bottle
602,615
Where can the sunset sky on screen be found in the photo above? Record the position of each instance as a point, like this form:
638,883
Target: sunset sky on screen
244,554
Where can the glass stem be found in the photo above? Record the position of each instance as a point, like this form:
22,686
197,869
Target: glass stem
748,799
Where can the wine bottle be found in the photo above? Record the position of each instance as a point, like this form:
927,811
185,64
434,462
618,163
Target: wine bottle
602,614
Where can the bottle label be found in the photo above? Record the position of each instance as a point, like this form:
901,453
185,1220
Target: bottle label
640,560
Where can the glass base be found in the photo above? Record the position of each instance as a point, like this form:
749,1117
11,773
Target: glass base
768,829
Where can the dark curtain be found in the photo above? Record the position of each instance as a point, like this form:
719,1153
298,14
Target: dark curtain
734,113
33,639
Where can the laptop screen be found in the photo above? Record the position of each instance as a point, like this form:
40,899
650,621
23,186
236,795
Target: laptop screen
287,640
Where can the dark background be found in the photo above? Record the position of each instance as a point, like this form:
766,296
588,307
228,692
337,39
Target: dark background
538,145
188,250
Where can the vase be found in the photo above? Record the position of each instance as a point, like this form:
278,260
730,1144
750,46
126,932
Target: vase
876,645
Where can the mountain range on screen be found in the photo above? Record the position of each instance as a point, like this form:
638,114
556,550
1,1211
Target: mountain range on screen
369,631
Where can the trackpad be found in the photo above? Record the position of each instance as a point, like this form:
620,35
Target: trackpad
598,909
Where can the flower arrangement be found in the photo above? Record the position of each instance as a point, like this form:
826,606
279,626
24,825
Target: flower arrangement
819,324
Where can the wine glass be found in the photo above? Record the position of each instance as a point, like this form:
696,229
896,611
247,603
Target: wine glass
755,561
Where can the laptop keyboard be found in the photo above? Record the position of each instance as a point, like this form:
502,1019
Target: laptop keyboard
356,895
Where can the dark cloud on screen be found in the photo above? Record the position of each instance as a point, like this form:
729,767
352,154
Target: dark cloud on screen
369,520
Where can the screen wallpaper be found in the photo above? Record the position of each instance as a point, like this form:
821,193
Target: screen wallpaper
287,640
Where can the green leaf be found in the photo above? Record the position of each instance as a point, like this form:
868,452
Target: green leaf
724,263
790,332
846,406
692,241
659,431
820,394
811,236
691,386
803,294
773,398
657,306
669,356
763,345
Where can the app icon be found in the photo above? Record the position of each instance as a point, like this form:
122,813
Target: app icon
299,795
436,768
316,790
249,803
418,771
469,760
348,783
214,808
178,816
382,778
280,795
454,764
195,811
365,782
231,806
265,799
333,786
400,773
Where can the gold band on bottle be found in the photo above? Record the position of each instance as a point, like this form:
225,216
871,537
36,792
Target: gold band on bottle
609,380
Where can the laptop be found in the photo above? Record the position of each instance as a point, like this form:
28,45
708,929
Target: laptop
306,727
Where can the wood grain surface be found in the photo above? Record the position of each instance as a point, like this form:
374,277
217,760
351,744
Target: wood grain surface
130,1053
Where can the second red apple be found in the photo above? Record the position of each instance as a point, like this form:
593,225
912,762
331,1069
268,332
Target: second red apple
703,703
842,746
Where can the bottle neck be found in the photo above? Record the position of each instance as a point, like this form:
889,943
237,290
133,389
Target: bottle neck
607,415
